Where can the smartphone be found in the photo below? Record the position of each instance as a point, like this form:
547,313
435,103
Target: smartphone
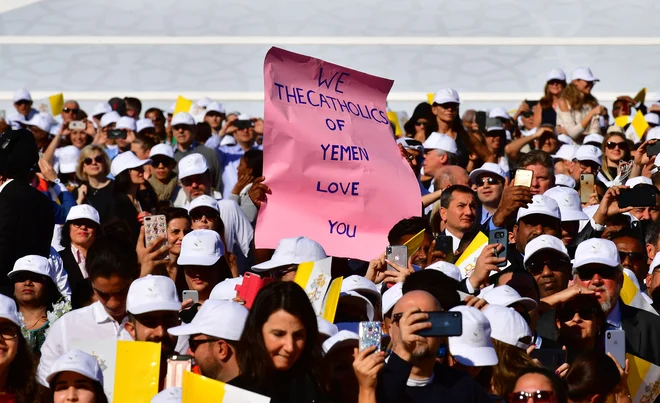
397,254
190,294
154,227
551,358
500,236
639,196
77,125
116,134
481,120
176,366
523,177
615,344
444,324
445,244
653,149
586,187
370,334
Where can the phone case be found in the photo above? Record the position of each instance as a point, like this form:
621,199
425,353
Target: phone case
615,344
176,366
190,294
500,236
370,334
523,177
154,226
444,324
397,254
250,287
586,187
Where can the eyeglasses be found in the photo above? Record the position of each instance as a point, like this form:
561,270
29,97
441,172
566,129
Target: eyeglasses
448,105
421,123
567,313
193,344
9,332
611,145
70,110
635,257
605,272
540,396
98,159
491,181
587,164
536,267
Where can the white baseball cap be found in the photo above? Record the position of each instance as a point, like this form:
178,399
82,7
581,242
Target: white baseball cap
8,310
203,201
544,242
569,203
32,263
221,319
353,295
564,180
22,94
655,263
594,138
183,118
446,95
499,113
583,73
201,247
101,109
588,153
152,293
447,268
639,180
109,118
40,120
325,327
68,159
85,211
474,347
540,204
410,144
565,139
126,160
506,296
360,285
215,107
566,152
203,102
162,149
556,74
173,394
170,109
438,141
126,122
391,297
507,325
144,123
343,338
653,134
598,251
79,362
616,128
488,167
228,140
293,251
192,164
226,289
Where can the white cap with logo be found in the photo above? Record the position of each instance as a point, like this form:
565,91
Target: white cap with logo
583,73
566,152
124,161
293,251
126,123
639,180
596,251
565,181
152,293
83,211
653,134
391,297
326,328
655,263
192,164
489,168
101,109
109,118
360,285
203,201
569,203
500,113
594,138
438,141
145,123
226,289
22,94
446,95
447,269
507,326
221,319
201,247
32,263
173,394
544,242
588,153
162,149
8,310
40,120
556,74
506,296
215,107
183,118
79,362
540,204
343,338
473,348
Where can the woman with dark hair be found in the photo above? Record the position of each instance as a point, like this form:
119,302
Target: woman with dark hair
594,377
178,226
278,352
579,321
17,366
419,124
577,110
80,230
39,301
76,377
540,385
134,198
249,168
545,109
95,187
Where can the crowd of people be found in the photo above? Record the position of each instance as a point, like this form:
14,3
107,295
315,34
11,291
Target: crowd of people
79,259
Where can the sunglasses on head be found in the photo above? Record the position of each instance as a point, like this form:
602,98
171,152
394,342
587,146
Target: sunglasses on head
536,267
540,396
98,159
605,272
611,145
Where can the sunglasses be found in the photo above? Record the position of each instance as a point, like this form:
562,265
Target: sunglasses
420,123
556,82
158,161
611,145
603,271
24,102
9,332
540,396
528,114
635,257
193,344
70,110
279,273
567,313
536,267
199,216
98,159
482,181
22,277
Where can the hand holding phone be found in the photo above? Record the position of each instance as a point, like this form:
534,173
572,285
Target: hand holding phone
397,254
445,244
370,334
499,236
77,125
523,177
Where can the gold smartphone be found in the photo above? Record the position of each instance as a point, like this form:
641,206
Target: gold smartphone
586,187
523,177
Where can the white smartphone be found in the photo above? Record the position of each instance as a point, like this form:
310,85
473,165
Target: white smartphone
190,294
615,344
370,334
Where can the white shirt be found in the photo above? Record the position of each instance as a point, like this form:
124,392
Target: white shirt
58,274
456,240
89,323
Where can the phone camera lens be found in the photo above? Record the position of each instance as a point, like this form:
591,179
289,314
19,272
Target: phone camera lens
609,336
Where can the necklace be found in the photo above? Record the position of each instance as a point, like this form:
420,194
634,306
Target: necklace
43,316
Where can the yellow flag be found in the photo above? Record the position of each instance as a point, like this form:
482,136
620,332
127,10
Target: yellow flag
332,299
198,388
643,379
429,97
631,296
394,118
640,97
52,105
315,278
182,105
469,257
622,121
415,243
137,371
639,124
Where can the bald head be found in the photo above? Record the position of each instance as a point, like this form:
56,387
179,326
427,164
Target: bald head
450,175
417,299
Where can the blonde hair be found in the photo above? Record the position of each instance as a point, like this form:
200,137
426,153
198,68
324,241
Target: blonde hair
88,152
511,360
626,154
576,99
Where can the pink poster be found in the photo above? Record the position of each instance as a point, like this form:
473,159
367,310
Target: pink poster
330,159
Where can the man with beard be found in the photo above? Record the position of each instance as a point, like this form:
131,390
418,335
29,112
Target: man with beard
153,308
598,267
411,373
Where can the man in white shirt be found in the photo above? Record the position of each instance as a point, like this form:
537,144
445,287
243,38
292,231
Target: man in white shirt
195,180
112,267
458,211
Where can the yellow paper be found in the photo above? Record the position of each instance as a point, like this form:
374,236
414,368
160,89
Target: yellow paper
56,103
643,379
182,105
137,371
622,121
430,96
639,124
332,299
415,243
198,388
640,97
392,117
303,273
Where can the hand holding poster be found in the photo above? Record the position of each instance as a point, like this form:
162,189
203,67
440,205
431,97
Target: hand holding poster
330,158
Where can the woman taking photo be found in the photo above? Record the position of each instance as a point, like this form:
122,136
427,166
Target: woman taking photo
80,230
595,378
76,377
545,109
17,369
578,111
615,149
579,321
95,188
278,353
39,301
